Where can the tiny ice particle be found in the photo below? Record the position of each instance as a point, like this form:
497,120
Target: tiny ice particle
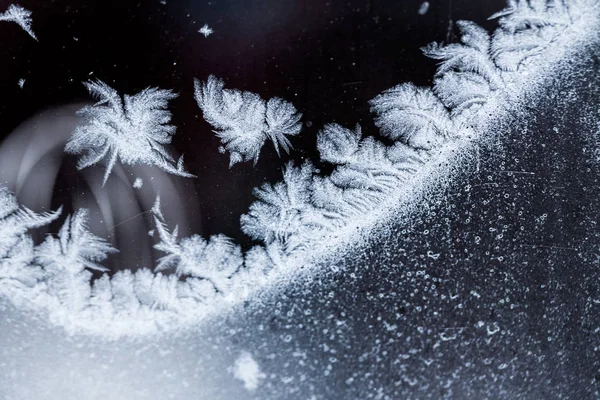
247,370
21,83
424,8
206,30
138,183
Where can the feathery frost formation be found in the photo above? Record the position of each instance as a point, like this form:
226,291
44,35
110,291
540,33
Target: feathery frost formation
292,220
412,115
243,121
214,262
467,75
16,247
133,129
67,261
19,15
56,275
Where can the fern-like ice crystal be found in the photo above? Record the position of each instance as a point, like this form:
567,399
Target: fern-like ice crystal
215,260
19,15
132,130
243,121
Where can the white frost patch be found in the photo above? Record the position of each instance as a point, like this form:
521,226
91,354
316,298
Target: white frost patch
138,183
19,15
247,370
424,8
206,30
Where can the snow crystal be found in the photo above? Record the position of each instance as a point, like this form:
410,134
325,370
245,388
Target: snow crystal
16,248
138,183
412,114
525,15
247,370
76,247
66,259
133,129
214,261
19,15
424,8
467,76
206,30
21,83
243,121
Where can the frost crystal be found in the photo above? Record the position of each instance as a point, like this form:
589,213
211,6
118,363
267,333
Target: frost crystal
138,183
214,261
467,75
283,213
206,30
368,166
133,129
295,214
15,221
530,14
21,83
16,248
19,15
66,258
76,247
527,29
412,114
243,121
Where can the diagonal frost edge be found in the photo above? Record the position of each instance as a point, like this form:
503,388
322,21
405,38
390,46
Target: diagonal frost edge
307,215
